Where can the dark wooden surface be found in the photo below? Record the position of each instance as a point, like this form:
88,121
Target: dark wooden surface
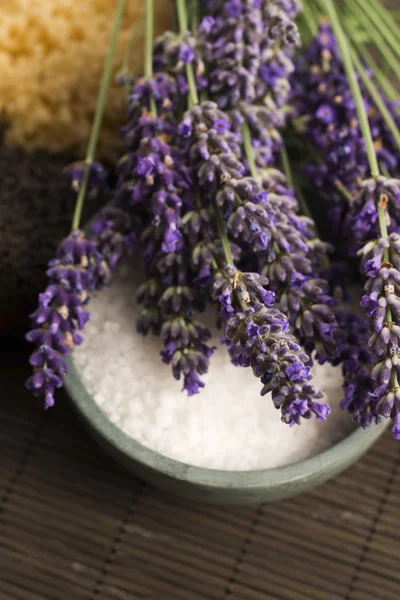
75,526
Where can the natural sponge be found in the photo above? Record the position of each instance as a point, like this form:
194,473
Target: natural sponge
51,59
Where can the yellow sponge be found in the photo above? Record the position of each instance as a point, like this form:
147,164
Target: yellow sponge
51,59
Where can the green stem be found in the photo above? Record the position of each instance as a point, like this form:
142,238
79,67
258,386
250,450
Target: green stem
309,18
382,223
248,148
345,51
194,15
305,209
148,49
388,89
286,166
183,27
182,15
387,26
377,99
224,239
193,96
148,54
344,191
125,69
194,25
374,34
98,117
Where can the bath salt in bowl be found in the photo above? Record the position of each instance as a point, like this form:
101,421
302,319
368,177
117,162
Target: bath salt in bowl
225,444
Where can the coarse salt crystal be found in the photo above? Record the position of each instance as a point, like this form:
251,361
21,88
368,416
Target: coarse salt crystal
229,425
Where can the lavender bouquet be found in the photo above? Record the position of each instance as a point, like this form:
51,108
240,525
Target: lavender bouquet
211,200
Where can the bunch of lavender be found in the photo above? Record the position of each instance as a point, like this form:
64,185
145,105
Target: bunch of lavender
242,208
326,114
182,233
207,201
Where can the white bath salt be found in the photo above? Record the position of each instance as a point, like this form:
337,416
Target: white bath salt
228,425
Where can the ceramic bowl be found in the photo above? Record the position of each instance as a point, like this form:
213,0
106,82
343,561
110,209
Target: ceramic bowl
208,485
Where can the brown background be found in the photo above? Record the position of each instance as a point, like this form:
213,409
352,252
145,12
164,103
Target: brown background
75,526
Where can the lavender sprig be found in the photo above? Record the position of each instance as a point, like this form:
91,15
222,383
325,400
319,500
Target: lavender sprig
258,336
80,267
380,262
249,49
294,266
170,300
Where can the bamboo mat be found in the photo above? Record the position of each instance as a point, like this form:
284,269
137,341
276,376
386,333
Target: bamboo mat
75,526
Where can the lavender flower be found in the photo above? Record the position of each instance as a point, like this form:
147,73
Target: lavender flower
278,18
267,222
169,301
173,51
97,179
362,222
357,362
212,149
248,53
151,175
61,314
295,266
115,235
212,146
258,336
233,32
77,270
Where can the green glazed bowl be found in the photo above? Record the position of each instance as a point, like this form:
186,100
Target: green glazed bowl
212,486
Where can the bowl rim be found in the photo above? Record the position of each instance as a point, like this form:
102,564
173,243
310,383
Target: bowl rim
344,451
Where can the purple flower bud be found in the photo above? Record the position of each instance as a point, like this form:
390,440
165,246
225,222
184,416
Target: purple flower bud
186,54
